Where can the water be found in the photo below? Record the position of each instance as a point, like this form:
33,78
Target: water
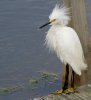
22,53
22,50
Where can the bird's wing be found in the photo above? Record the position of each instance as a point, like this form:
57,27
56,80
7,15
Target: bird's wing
72,51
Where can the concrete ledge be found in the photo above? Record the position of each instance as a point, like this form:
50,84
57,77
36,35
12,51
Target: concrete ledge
84,93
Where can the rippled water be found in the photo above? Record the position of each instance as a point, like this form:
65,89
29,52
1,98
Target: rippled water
22,50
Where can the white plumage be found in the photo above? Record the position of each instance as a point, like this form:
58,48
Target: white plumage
64,41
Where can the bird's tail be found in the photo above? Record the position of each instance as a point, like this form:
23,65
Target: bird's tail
79,68
84,66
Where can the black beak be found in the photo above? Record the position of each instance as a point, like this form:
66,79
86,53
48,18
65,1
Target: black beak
44,25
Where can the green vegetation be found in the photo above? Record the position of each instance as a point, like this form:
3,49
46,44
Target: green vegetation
9,89
48,73
33,83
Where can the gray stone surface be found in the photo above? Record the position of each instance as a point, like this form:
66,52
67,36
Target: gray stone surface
84,93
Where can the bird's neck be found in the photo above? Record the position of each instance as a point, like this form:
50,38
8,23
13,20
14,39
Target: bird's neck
58,25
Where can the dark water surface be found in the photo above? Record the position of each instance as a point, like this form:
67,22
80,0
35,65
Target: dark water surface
22,53
22,50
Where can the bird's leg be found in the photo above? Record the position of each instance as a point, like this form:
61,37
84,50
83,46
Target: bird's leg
65,86
72,89
72,79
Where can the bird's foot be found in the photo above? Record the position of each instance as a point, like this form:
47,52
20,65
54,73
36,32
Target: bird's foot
67,91
59,92
72,90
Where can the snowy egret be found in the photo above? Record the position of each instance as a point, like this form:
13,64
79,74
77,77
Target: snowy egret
64,41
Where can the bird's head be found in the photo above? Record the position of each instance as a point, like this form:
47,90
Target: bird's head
59,15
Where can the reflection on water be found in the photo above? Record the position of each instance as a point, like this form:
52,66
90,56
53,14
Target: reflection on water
22,53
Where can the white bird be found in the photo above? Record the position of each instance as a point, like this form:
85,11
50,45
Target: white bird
64,41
